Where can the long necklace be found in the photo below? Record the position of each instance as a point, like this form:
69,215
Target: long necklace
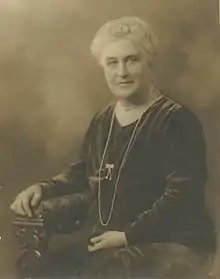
103,223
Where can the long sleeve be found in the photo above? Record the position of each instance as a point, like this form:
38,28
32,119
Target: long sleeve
74,179
185,165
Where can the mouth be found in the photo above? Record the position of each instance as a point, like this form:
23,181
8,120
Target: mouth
125,82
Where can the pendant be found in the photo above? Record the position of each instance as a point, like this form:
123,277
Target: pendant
109,168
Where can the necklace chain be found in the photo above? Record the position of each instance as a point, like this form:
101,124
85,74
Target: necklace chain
105,223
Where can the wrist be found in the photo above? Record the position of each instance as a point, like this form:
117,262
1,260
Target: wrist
125,242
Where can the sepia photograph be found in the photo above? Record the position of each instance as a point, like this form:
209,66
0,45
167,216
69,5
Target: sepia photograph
109,139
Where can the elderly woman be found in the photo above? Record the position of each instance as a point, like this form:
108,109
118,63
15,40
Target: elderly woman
140,175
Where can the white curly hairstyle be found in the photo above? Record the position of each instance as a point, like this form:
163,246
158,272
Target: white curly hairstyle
131,28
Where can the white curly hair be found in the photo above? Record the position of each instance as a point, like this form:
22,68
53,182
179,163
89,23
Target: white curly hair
131,28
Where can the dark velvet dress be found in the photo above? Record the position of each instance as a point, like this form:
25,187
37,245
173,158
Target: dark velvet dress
160,193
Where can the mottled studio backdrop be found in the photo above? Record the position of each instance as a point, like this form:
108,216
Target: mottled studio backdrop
50,85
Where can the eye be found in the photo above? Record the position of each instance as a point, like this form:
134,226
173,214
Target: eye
112,62
132,59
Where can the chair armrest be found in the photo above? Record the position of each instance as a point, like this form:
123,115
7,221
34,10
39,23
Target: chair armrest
58,215
64,214
33,240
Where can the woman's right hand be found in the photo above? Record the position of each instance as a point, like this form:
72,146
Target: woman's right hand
28,201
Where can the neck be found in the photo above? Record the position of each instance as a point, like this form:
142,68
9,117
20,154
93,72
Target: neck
140,100
128,112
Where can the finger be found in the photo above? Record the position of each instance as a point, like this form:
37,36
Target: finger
17,208
98,246
90,248
37,210
12,206
14,202
35,200
26,208
96,238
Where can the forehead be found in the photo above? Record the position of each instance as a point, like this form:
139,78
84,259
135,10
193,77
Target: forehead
120,49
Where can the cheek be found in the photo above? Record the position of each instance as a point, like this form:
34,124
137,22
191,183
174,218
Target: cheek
109,75
135,70
139,74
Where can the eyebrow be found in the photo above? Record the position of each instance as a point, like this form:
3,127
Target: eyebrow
111,58
126,57
132,55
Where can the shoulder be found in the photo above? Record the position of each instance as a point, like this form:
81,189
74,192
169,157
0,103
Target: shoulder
170,105
183,125
105,110
103,113
100,117
176,114
170,116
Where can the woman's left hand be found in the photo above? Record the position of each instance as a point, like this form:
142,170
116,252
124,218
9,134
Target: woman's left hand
110,239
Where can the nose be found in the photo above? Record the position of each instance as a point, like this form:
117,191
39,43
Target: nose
122,70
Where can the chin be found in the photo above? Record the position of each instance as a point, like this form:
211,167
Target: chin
123,93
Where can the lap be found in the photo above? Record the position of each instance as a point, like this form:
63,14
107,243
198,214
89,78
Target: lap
160,260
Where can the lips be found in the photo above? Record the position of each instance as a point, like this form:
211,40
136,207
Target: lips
125,82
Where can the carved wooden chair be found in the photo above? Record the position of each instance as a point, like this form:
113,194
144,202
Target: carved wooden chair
57,216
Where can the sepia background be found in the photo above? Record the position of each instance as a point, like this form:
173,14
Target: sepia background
50,86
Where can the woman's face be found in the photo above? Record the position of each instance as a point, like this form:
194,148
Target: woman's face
126,68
